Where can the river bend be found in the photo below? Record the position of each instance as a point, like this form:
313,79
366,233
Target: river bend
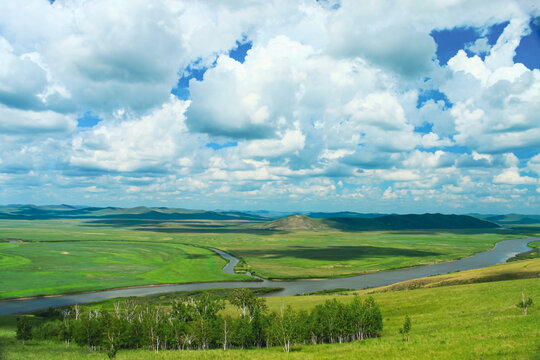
502,251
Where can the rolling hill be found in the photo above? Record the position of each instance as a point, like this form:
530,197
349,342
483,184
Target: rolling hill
386,222
33,212
516,219
294,223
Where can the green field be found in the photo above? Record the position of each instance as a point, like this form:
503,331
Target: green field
334,254
65,256
37,268
473,321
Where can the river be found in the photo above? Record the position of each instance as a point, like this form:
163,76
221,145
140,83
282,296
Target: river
502,251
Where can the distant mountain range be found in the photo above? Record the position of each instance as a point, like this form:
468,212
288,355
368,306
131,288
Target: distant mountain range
33,212
517,219
314,215
311,221
386,222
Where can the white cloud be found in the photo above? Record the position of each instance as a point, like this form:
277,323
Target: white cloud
14,121
254,99
148,143
325,96
21,79
534,164
495,100
292,140
388,194
512,176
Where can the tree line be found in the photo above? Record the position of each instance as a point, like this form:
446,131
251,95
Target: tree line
198,323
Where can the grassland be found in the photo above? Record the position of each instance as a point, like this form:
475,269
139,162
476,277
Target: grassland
70,255
37,268
472,321
335,254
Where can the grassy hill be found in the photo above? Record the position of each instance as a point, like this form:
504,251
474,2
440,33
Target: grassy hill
515,219
295,223
342,214
409,222
380,223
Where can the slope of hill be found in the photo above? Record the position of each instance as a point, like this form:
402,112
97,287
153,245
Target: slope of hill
410,222
294,223
342,214
514,219
386,222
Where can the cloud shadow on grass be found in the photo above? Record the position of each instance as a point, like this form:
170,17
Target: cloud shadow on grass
338,253
174,227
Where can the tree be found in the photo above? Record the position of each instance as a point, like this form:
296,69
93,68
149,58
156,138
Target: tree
373,318
525,304
247,303
66,330
242,332
24,329
87,330
284,327
112,333
224,336
205,319
406,328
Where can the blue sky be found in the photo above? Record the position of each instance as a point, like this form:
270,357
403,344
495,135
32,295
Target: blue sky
294,106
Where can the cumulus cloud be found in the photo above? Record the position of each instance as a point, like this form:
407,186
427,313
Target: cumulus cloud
534,164
21,79
327,107
14,121
512,176
253,99
500,113
130,144
397,47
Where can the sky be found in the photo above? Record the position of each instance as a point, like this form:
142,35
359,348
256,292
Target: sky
329,105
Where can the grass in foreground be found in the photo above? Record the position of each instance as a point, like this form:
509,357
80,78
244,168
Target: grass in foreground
473,321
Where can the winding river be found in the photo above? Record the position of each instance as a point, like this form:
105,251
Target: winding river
502,251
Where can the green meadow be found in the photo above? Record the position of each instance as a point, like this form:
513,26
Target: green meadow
65,256
38,268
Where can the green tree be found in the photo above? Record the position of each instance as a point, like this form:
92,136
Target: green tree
406,328
525,304
111,327
24,329
88,330
247,303
284,327
372,317
242,332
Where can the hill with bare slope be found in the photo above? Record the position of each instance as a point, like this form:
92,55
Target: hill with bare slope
295,223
